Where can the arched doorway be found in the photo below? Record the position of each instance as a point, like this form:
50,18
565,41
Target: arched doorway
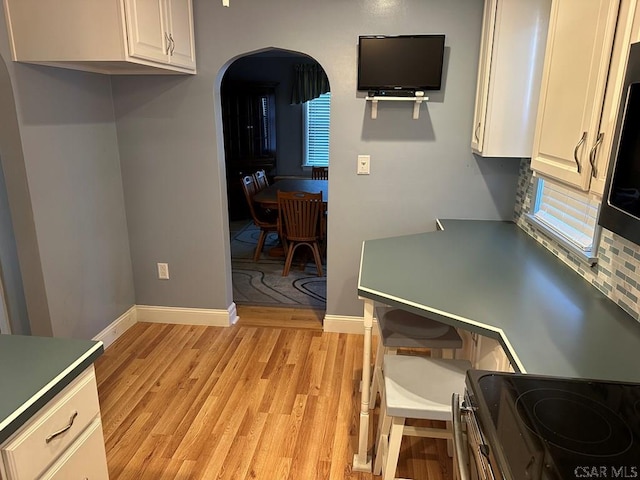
264,130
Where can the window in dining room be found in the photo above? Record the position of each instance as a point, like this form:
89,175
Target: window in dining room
316,116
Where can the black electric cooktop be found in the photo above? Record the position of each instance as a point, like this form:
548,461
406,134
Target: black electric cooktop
558,428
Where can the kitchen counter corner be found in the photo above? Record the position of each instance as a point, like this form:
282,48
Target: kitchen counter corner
492,278
33,370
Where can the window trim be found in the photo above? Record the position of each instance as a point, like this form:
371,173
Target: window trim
589,257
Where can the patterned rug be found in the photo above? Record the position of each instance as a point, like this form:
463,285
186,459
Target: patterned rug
262,283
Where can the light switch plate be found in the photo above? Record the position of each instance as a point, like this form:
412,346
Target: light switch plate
364,162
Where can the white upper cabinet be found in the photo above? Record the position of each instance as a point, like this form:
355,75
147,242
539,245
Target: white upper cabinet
115,37
627,31
509,74
180,17
161,30
569,131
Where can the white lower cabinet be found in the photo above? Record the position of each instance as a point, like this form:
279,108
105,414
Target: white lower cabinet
79,460
484,353
64,436
490,355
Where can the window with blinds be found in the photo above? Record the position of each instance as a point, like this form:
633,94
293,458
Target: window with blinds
569,215
316,114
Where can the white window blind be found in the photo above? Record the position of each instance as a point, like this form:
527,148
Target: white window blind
317,113
570,213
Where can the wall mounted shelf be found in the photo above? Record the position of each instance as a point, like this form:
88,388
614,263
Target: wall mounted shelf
417,100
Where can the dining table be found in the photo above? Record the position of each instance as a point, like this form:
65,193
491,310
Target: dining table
268,197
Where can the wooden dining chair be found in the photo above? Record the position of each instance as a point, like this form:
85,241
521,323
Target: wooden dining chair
267,223
299,217
261,179
320,173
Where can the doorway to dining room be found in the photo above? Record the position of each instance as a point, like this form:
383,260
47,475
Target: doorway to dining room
267,128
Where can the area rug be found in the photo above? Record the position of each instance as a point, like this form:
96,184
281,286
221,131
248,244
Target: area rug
262,283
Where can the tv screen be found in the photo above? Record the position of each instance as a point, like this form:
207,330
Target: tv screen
403,63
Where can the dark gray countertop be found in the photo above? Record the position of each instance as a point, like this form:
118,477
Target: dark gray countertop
494,279
33,370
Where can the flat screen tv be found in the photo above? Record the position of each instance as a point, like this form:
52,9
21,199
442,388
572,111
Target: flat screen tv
400,65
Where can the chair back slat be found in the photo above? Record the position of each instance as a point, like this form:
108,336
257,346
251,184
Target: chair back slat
300,215
320,173
249,188
261,179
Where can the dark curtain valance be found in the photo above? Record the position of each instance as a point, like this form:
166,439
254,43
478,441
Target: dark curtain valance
309,82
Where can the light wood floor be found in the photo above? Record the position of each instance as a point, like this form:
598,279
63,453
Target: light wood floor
270,398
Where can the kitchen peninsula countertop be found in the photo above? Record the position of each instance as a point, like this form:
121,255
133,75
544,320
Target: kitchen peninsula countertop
492,278
33,370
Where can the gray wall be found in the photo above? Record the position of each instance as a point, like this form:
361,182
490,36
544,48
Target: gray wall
171,151
59,154
11,278
73,167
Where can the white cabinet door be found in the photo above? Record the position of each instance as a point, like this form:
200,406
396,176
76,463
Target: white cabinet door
509,75
628,22
578,53
180,20
147,32
484,64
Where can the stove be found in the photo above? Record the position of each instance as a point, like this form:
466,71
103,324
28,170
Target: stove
554,428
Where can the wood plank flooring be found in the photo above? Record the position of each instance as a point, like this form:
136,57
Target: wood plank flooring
271,398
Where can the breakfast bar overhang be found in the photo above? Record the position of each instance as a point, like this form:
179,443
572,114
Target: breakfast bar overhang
492,278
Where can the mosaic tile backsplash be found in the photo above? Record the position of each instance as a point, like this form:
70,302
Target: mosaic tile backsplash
617,273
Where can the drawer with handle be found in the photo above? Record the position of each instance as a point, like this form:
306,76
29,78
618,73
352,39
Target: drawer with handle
79,461
33,448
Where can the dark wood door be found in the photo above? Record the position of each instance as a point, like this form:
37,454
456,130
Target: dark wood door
249,119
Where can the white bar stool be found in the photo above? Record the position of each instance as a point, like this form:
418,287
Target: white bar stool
402,329
419,388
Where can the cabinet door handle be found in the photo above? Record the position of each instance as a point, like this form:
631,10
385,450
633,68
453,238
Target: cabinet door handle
592,154
575,150
63,429
173,44
475,132
167,38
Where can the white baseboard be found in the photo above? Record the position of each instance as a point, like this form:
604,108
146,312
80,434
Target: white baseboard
346,324
210,317
233,314
187,316
120,325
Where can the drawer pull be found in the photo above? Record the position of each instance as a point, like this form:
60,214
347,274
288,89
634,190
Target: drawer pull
63,429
